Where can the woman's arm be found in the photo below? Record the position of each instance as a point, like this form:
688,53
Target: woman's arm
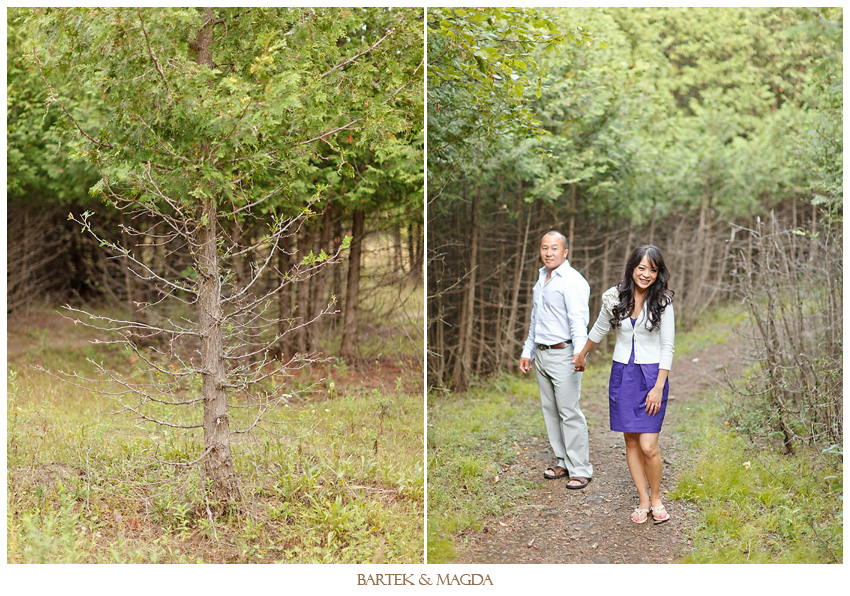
653,398
579,360
668,335
603,321
600,328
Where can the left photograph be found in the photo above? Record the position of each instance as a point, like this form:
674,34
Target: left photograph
215,303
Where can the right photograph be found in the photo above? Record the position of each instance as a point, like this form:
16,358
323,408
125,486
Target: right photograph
634,285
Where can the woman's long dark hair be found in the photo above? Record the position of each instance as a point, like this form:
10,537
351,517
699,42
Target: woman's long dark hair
657,297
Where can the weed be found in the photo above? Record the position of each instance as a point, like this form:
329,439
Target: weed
469,436
756,505
87,486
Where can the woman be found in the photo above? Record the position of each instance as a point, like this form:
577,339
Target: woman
640,308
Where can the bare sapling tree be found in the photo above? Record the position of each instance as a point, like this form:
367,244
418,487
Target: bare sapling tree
222,332
789,280
210,122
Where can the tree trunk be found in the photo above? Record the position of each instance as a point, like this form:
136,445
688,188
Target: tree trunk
439,350
398,259
219,461
337,277
302,309
628,245
411,249
132,309
242,276
652,228
319,300
418,242
352,295
284,300
607,282
498,333
203,43
218,464
572,226
463,360
509,351
420,251
606,257
414,251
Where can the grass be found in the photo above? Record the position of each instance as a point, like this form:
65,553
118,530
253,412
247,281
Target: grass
717,326
757,505
343,484
471,437
753,503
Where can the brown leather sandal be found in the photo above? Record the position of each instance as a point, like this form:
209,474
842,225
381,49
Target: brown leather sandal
584,482
554,472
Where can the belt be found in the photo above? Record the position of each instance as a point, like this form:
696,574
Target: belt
559,346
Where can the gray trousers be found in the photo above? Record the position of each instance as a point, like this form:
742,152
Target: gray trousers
560,390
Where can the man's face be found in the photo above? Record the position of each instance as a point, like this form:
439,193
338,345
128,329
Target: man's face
552,252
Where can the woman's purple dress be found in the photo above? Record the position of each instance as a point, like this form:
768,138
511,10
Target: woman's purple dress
627,391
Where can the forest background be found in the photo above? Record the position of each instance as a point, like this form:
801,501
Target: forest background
715,134
228,203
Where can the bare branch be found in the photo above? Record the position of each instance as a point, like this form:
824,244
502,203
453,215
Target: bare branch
352,59
150,52
330,132
397,91
182,464
53,97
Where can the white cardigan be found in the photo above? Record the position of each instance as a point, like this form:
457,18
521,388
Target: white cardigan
650,346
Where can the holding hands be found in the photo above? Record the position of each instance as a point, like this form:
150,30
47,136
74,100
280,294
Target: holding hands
580,361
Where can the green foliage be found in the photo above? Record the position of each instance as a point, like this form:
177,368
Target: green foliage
472,437
757,506
737,107
281,81
484,69
84,489
38,162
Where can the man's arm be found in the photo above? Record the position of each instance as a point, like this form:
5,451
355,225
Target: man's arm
528,348
576,298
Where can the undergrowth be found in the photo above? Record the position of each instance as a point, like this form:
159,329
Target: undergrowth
472,436
340,481
755,504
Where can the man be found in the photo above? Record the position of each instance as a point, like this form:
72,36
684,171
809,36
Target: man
558,329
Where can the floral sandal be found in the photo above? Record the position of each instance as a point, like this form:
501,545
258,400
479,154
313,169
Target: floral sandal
659,514
641,515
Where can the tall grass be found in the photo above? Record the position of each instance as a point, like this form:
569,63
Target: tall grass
341,479
757,505
472,436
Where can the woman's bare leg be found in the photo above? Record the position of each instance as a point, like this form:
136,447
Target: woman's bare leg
651,465
635,459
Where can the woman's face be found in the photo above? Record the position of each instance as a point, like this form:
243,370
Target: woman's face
644,274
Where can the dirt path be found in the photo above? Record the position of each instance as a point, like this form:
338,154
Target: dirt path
592,525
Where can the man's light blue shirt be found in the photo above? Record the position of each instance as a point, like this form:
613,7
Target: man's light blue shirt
560,310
